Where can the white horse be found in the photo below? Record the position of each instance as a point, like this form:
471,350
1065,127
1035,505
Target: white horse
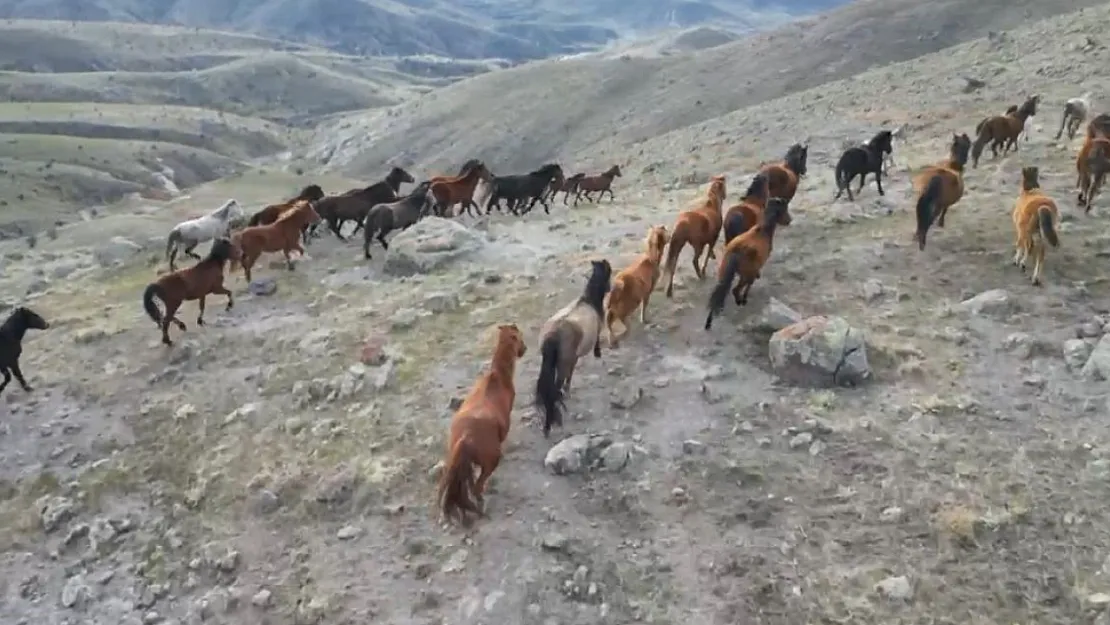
1075,113
191,233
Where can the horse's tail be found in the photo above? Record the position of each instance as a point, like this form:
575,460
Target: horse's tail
980,125
549,394
151,292
724,281
1048,229
457,481
369,228
981,140
674,249
841,166
734,226
616,292
926,205
171,242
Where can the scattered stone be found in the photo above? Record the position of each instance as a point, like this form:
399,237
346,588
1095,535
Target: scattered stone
262,598
692,447
554,542
801,440
624,397
820,351
456,562
263,287
893,514
76,593
1020,344
583,452
1098,363
897,588
992,303
430,244
348,532
373,351
184,411
775,316
266,501
336,488
84,336
872,290
118,250
404,318
54,511
1089,330
440,302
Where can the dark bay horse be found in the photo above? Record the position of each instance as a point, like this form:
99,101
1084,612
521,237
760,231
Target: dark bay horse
353,205
519,189
385,218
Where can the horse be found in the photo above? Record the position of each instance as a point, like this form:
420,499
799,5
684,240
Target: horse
744,216
1002,131
566,336
745,257
281,236
521,188
566,185
1075,113
783,177
11,343
479,428
1092,164
699,227
633,285
353,205
399,215
940,186
193,232
192,283
1035,217
269,215
862,160
603,183
448,191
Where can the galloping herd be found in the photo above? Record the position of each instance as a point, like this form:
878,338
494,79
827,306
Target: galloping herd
481,424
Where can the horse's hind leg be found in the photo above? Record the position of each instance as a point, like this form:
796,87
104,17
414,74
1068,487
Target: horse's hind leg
19,376
189,250
697,266
879,180
7,378
200,314
221,290
288,259
604,191
483,479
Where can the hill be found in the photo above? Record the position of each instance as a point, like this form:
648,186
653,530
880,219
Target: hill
565,109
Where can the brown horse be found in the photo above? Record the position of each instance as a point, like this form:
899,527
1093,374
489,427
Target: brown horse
602,183
479,428
1099,126
1002,131
746,215
699,227
1092,164
192,283
353,205
940,186
1035,217
745,257
281,236
447,191
270,214
632,287
783,176
566,185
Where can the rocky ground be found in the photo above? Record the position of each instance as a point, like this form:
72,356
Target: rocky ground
278,466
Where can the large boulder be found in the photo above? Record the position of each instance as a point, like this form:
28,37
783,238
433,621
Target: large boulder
1098,363
820,351
430,244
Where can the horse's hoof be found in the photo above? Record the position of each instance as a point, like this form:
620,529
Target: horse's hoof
28,389
200,322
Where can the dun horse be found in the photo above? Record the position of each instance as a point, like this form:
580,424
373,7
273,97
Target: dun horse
353,205
11,344
602,184
699,228
270,214
1035,218
862,160
192,283
632,287
281,236
566,336
745,257
783,177
193,232
1002,131
1075,113
746,215
940,186
1092,164
448,191
478,429
399,215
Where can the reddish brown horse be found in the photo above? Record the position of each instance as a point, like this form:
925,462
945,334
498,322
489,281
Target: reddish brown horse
1092,163
270,214
700,227
479,428
746,215
192,283
783,177
602,184
281,236
446,191
1002,131
940,186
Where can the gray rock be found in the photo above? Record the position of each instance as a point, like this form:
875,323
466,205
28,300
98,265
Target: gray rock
583,452
625,397
775,316
262,598
54,511
992,303
404,318
1076,353
440,302
872,290
263,286
820,351
76,593
117,250
430,244
897,588
348,532
1098,363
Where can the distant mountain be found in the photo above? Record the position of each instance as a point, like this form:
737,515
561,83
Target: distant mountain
517,30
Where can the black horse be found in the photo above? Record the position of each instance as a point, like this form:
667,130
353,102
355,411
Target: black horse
11,343
522,188
353,205
862,160
385,218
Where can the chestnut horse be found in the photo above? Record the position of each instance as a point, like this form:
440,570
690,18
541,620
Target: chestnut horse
746,215
479,428
192,283
1002,131
447,191
1092,164
602,183
699,227
270,214
566,336
1035,218
633,285
745,257
281,236
783,177
940,186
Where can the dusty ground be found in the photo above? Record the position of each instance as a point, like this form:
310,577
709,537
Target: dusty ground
256,474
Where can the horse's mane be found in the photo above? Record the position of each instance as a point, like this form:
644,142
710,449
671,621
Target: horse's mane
544,170
757,188
293,208
222,211
220,252
1028,106
1026,184
10,322
596,287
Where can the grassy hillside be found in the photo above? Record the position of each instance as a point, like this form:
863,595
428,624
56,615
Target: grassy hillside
557,109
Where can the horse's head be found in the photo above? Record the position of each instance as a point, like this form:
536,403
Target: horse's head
223,250
312,192
509,334
1029,178
717,186
600,273
468,165
961,146
27,318
778,212
484,173
796,158
1029,107
614,171
551,171
883,141
657,238
397,176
